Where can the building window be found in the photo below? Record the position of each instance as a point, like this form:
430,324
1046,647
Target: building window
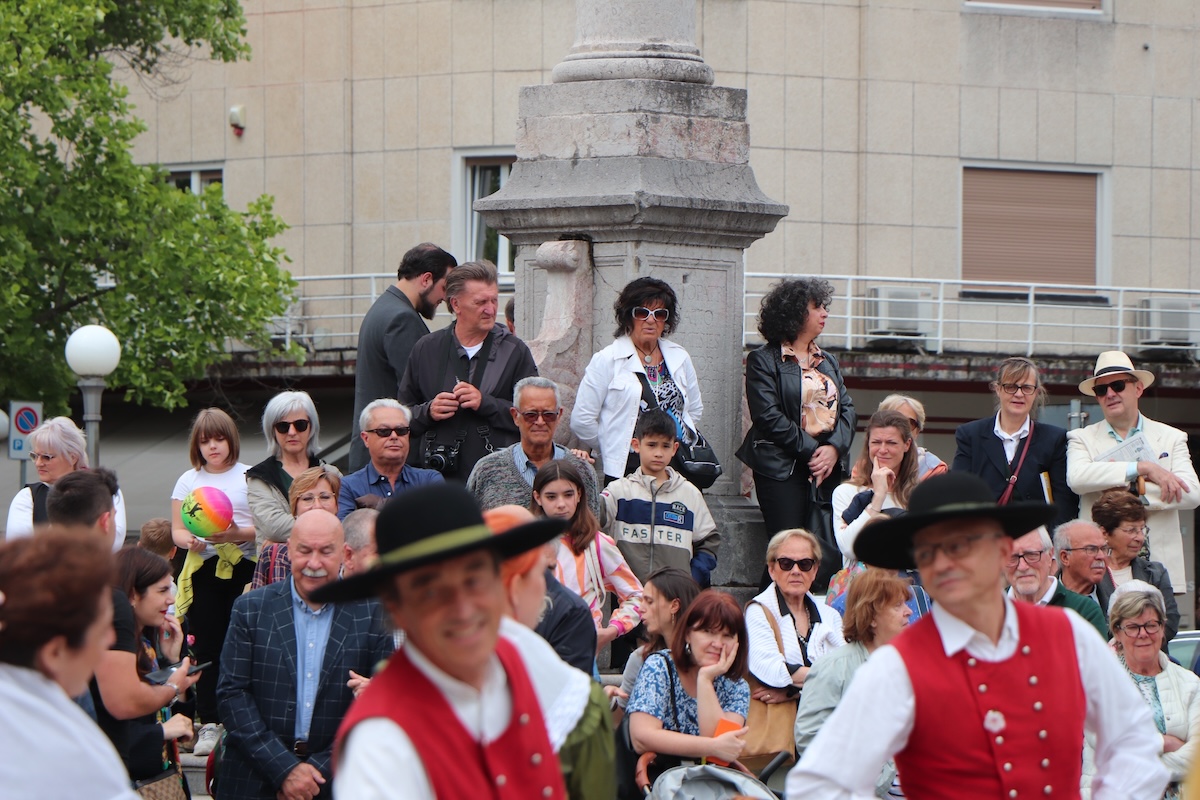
486,176
194,180
1079,5
1029,226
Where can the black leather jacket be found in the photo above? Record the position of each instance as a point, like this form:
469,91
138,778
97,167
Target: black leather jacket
776,445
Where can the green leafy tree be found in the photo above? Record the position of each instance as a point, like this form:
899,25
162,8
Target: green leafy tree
87,235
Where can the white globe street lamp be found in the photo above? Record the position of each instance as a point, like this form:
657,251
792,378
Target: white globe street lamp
93,352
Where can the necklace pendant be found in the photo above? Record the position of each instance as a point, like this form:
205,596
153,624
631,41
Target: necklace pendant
646,358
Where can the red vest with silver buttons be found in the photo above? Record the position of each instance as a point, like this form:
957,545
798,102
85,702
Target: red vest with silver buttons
520,764
1008,729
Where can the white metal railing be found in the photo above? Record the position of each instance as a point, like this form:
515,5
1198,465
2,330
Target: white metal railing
930,315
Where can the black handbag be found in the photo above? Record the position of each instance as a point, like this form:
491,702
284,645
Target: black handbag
695,459
820,524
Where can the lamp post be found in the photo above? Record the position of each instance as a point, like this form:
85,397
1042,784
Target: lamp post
92,353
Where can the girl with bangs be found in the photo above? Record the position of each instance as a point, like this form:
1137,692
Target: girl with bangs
588,562
684,692
218,568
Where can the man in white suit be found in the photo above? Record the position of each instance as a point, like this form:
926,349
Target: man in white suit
1170,478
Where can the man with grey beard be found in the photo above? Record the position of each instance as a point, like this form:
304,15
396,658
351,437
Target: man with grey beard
285,664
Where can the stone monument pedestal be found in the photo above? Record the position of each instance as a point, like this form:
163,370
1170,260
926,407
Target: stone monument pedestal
632,165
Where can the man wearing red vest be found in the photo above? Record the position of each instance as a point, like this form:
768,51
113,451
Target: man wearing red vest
983,698
455,712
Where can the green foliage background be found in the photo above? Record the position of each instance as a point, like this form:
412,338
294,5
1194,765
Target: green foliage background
87,235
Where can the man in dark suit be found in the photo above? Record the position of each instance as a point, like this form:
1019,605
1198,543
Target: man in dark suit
284,668
391,328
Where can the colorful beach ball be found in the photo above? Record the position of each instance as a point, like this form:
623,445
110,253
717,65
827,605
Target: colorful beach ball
207,510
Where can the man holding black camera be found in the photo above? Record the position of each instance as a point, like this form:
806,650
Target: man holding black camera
459,380
385,432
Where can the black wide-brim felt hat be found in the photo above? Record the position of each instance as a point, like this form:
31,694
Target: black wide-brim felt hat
428,524
953,495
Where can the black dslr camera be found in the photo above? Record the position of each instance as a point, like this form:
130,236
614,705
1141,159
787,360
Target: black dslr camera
442,457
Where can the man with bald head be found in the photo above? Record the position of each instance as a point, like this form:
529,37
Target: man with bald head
284,667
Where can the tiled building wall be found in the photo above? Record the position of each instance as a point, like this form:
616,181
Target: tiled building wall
862,115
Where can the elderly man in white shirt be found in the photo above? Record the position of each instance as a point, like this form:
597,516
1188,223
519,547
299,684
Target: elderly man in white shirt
979,699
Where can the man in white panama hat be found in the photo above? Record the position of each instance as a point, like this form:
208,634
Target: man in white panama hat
1170,479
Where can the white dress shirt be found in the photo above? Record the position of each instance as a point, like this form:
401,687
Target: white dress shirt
1010,440
876,715
379,761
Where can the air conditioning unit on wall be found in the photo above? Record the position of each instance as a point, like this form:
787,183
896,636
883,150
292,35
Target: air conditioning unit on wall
1168,321
899,311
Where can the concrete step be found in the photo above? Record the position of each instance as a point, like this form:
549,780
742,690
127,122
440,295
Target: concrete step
193,770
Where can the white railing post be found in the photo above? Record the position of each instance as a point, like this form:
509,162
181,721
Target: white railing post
941,317
1029,321
850,313
1120,319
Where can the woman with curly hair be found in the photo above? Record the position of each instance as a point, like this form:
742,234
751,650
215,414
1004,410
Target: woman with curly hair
641,360
802,416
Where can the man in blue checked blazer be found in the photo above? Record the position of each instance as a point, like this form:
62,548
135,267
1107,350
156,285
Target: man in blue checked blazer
284,668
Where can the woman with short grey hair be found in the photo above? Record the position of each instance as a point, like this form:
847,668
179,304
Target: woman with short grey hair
57,448
1136,615
292,429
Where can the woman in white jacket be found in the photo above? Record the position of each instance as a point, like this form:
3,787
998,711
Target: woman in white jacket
1137,618
638,363
808,628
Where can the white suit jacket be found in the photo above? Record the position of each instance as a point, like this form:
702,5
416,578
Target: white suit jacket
1088,478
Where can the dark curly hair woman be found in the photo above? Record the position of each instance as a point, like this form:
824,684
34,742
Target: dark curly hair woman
802,417
610,395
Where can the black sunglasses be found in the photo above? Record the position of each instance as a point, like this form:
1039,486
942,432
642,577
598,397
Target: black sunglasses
301,425
532,416
1101,389
384,433
786,564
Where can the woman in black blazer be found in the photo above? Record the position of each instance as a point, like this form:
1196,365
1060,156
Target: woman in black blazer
802,416
993,447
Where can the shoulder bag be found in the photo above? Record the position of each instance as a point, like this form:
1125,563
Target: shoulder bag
1012,479
771,724
695,460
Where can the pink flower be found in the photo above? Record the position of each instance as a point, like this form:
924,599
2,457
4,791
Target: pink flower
191,640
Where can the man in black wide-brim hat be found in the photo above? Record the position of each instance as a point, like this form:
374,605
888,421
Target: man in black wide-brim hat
454,713
982,698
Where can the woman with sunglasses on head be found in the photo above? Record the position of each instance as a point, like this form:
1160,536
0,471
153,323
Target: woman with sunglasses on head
292,430
802,416
1137,619
1122,517
807,627
57,448
641,361
1019,458
913,410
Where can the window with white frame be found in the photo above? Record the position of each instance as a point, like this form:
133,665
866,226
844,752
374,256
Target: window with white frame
195,179
1038,5
478,175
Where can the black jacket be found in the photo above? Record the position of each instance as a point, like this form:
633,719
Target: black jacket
981,452
568,626
776,445
427,375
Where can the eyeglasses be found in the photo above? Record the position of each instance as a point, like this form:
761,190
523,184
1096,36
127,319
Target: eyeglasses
787,564
47,457
1023,388
1031,557
385,433
1134,629
1090,550
301,425
955,548
1142,531
660,314
324,497
532,416
1101,389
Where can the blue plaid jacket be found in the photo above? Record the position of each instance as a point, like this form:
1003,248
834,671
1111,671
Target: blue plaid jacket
256,692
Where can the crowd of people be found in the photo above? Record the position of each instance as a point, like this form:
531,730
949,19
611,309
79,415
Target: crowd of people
433,622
